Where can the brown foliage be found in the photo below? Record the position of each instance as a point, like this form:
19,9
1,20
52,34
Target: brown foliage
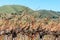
27,25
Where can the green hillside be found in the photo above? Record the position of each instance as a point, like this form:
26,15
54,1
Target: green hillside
13,9
49,13
37,13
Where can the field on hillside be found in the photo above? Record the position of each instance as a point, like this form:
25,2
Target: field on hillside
26,24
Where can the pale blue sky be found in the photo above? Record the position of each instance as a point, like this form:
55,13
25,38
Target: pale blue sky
34,4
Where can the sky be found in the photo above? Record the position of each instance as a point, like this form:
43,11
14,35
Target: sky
34,4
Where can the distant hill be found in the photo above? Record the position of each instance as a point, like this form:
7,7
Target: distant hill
36,13
13,8
49,13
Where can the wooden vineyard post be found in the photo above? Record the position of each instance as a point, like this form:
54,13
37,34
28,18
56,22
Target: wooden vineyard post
14,38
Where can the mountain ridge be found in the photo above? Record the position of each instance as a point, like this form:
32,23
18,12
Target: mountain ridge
19,8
